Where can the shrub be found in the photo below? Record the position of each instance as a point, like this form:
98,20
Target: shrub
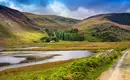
45,39
49,39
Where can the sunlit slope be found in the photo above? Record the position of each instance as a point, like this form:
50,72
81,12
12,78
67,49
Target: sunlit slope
14,24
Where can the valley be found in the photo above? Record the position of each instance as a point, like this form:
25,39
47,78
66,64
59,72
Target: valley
51,47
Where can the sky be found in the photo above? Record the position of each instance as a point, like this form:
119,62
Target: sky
78,9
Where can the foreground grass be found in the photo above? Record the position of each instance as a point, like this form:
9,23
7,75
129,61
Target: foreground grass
81,69
4,75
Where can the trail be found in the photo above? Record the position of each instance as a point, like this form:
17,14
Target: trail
114,74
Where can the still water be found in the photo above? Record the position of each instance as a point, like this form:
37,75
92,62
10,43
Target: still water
64,55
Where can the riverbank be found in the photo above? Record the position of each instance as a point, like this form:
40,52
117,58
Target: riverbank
72,65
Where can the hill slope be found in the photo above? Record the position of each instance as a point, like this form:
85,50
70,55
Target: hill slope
52,21
14,24
106,27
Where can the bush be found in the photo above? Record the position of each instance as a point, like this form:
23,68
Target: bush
45,39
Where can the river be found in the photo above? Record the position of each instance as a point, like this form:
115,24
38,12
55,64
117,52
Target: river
64,55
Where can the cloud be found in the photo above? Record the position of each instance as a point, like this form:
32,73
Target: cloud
3,0
56,8
81,12
60,7
13,6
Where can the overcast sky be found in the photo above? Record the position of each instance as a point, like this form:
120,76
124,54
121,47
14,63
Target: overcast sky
78,9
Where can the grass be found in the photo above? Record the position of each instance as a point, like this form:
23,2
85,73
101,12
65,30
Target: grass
91,38
126,63
67,45
31,36
4,75
4,32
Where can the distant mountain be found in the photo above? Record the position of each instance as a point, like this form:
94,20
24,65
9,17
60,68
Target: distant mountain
52,21
106,27
14,24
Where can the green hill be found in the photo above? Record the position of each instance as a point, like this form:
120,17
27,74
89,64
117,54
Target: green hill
106,27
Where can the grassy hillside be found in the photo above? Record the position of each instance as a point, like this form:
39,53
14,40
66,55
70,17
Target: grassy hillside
106,27
4,32
15,26
52,21
120,18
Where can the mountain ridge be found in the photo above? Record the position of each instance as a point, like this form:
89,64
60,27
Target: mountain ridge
52,21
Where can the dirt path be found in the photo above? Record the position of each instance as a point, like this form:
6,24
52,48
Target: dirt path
116,73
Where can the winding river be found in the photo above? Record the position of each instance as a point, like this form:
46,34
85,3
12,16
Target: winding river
63,55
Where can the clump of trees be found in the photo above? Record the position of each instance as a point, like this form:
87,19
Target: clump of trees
69,35
65,35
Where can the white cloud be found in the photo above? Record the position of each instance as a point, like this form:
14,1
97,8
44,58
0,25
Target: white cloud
23,8
128,10
3,0
12,5
62,10
57,8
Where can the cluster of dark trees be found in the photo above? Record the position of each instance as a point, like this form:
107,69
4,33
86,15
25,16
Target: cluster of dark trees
69,35
65,35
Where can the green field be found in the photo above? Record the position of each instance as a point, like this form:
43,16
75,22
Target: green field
67,45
